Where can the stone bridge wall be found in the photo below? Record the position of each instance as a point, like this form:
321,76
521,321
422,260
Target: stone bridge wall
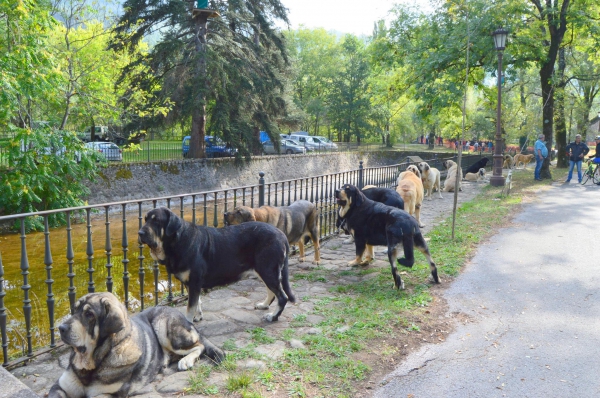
129,181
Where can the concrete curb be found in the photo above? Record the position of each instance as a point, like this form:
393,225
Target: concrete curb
12,387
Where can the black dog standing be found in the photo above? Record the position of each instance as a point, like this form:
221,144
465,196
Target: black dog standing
202,257
375,224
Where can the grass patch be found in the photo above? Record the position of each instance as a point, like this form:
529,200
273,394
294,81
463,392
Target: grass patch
198,384
370,316
259,335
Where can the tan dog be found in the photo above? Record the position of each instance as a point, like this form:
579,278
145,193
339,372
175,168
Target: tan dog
410,188
476,177
508,162
430,176
525,159
297,221
450,181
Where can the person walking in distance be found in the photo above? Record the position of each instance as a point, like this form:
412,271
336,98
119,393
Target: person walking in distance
596,156
576,151
540,151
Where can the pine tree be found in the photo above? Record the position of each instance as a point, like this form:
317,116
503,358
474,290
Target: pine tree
246,63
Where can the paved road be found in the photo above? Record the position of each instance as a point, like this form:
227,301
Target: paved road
532,294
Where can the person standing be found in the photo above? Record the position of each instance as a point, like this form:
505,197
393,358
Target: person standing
541,152
576,151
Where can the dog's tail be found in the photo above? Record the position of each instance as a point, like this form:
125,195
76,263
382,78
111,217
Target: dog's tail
212,351
285,277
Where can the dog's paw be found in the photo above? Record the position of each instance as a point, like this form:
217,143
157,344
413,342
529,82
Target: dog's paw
367,261
270,317
261,306
197,317
301,259
316,262
185,363
421,225
353,263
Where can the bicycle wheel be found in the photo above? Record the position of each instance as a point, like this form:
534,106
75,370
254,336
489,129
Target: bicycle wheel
596,176
586,177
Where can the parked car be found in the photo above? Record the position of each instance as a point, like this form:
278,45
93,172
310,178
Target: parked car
215,147
326,143
314,143
109,150
287,146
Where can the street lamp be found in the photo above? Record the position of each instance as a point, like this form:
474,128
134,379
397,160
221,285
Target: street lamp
497,180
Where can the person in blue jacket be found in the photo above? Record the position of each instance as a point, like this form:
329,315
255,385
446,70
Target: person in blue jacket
576,152
540,151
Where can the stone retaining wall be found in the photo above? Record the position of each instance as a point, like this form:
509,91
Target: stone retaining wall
145,180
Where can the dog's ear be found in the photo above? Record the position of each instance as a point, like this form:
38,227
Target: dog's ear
248,215
113,321
358,198
173,224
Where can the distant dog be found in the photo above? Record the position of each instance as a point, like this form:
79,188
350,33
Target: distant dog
115,355
375,224
203,258
474,168
298,221
410,187
450,181
430,176
522,159
479,176
508,162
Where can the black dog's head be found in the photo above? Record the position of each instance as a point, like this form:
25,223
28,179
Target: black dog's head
484,161
160,224
96,317
347,198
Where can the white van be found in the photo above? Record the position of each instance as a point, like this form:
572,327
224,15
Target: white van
326,142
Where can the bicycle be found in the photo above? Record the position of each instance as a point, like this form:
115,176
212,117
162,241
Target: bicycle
592,173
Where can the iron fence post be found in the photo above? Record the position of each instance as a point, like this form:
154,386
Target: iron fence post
49,281
26,287
360,175
3,316
261,189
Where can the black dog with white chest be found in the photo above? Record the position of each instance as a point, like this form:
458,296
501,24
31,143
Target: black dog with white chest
203,257
375,224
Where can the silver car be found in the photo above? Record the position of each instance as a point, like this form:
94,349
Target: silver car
109,150
287,146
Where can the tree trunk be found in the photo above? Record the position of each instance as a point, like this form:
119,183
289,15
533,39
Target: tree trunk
197,145
561,126
556,27
431,138
93,131
547,115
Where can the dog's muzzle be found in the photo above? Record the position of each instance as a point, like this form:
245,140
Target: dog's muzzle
143,238
338,199
226,219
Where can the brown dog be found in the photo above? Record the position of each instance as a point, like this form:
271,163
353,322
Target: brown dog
297,221
410,188
508,162
524,159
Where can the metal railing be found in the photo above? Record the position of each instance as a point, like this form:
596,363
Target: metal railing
109,231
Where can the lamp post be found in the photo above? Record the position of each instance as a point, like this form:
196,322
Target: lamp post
497,180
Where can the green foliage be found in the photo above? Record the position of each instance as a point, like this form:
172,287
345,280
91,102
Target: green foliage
26,64
46,170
